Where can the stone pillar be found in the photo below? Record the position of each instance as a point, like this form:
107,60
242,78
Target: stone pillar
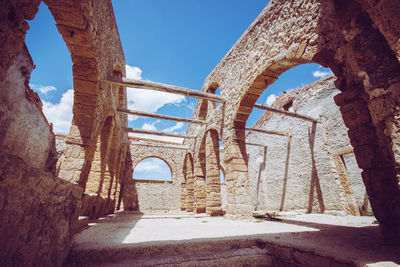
190,193
188,169
108,166
213,187
183,196
199,188
374,155
393,131
237,177
120,177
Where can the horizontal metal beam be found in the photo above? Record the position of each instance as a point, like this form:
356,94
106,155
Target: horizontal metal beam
158,116
141,84
265,131
141,131
284,112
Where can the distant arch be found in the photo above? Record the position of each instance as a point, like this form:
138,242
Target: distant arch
160,160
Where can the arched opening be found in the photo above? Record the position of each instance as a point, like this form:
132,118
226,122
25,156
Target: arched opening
207,175
156,186
51,58
289,146
207,107
35,139
152,168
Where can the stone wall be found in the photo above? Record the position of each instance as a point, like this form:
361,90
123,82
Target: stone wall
357,40
40,192
24,131
156,195
37,210
284,173
148,195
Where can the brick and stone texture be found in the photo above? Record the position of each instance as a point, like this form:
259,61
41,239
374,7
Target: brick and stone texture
300,172
154,195
38,210
358,40
213,187
188,171
52,188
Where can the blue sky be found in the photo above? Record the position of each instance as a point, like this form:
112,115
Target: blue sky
177,42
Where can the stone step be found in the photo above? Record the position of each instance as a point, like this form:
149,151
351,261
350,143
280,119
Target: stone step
248,256
223,252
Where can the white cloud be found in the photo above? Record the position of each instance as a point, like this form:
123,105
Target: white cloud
152,127
321,74
191,106
133,72
177,126
42,89
270,99
149,165
60,114
152,168
147,100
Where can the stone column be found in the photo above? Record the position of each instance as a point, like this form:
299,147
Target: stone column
237,177
213,187
199,188
374,155
190,193
189,190
108,168
393,131
183,196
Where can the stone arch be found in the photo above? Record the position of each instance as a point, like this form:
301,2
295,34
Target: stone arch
91,64
80,23
207,106
157,157
359,52
151,148
187,166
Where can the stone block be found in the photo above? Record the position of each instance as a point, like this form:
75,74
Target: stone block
68,16
381,108
355,114
369,156
310,259
74,36
239,168
86,87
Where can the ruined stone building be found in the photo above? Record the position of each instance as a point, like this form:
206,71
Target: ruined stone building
340,154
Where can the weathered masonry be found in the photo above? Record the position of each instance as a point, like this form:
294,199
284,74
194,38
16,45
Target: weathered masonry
358,40
42,194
